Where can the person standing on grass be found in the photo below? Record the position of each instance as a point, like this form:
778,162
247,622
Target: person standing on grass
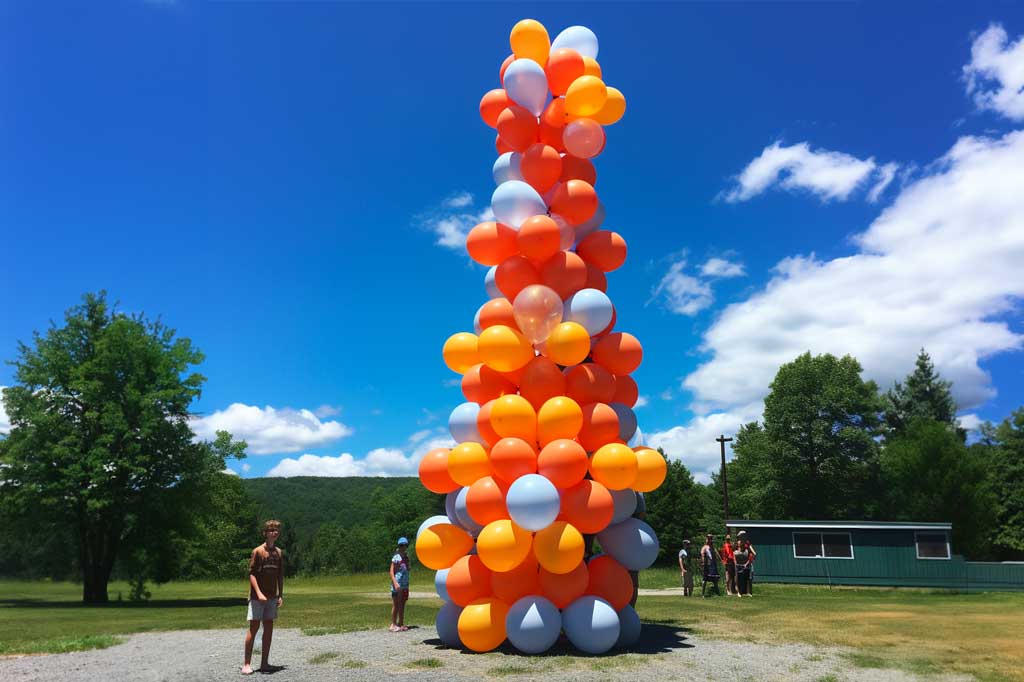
399,586
742,556
730,565
266,594
744,540
686,568
709,560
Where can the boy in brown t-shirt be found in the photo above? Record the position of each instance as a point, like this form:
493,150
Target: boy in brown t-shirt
266,593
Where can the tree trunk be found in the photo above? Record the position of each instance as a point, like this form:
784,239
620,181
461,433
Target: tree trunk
96,553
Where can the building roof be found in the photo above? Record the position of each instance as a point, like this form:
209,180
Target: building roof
873,525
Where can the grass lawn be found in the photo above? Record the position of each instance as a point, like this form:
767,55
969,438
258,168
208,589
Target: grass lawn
915,630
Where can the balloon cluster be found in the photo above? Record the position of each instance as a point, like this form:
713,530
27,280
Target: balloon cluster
548,451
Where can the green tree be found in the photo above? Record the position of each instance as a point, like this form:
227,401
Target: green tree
815,456
100,439
220,546
675,509
922,395
930,475
1005,445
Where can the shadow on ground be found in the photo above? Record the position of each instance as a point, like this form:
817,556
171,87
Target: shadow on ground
655,638
154,604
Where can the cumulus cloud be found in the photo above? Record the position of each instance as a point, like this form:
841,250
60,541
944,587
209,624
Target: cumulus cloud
641,401
695,443
269,430
995,75
230,471
681,293
459,200
378,462
327,411
970,422
720,267
5,421
885,176
827,174
454,219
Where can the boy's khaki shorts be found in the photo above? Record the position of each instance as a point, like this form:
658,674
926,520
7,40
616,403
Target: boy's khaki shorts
262,610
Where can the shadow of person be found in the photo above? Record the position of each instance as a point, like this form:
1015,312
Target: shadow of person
271,669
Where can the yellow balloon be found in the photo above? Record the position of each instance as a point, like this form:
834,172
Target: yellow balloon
559,547
568,344
529,40
614,465
585,96
559,417
512,416
651,470
613,109
460,352
467,463
591,67
504,349
502,545
482,624
441,545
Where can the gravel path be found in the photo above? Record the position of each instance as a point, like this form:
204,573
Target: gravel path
666,654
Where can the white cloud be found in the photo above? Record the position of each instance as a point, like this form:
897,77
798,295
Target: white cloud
378,462
938,269
719,267
246,467
666,394
681,293
827,174
995,76
327,411
970,422
269,430
5,421
459,200
641,401
885,176
230,471
420,435
695,444
453,221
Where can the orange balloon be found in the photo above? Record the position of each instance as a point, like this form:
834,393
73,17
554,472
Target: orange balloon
513,585
434,472
651,469
541,166
595,279
565,272
441,545
497,311
564,66
490,243
517,127
504,349
609,580
512,458
461,351
483,423
559,547
515,375
554,114
575,168
492,104
502,545
515,274
576,201
563,462
504,65
558,418
467,462
562,589
619,352
588,506
626,390
591,67
600,426
480,383
501,146
485,500
542,381
614,465
606,250
468,580
551,136
590,383
512,416
568,344
482,624
539,238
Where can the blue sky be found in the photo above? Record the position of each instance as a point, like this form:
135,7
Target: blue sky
278,180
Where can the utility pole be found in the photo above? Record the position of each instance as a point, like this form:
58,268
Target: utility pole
722,440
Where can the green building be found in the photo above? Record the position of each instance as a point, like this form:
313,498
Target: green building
884,553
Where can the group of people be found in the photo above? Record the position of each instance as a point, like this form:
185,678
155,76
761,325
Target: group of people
736,555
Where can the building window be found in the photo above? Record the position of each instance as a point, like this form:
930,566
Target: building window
822,546
932,545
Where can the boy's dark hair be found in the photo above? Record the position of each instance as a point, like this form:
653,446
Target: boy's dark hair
272,524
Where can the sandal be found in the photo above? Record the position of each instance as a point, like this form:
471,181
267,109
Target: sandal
403,628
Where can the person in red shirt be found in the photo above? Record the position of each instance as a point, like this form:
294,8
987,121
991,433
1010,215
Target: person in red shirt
729,559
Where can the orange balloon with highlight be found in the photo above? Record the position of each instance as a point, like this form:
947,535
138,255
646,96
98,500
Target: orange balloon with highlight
517,127
590,383
502,545
467,463
615,466
605,249
515,274
504,349
613,109
441,545
619,352
512,458
565,272
489,243
483,423
564,66
468,580
569,344
554,115
485,500
482,624
512,416
563,462
541,166
501,146
529,40
522,580
434,474
539,238
595,279
497,311
461,351
626,390
591,67
542,380
575,168
559,417
481,383
559,547
600,426
551,136
492,104
576,201
588,506
562,589
609,580
651,469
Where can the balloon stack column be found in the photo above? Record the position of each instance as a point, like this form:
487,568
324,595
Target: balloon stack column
547,455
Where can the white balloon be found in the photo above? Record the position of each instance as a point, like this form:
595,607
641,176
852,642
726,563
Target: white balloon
506,167
441,584
491,285
579,38
591,308
527,85
432,521
515,201
448,625
476,324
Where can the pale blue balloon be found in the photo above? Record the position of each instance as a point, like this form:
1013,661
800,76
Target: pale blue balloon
592,225
579,38
627,420
533,624
449,507
465,520
527,85
462,424
641,504
629,627
440,584
591,308
448,625
491,285
638,440
533,502
476,323
591,624
632,543
432,521
625,504
506,168
515,201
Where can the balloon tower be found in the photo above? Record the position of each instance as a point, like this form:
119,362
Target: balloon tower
547,459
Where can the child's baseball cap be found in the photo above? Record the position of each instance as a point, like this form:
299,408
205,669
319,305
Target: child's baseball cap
403,541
